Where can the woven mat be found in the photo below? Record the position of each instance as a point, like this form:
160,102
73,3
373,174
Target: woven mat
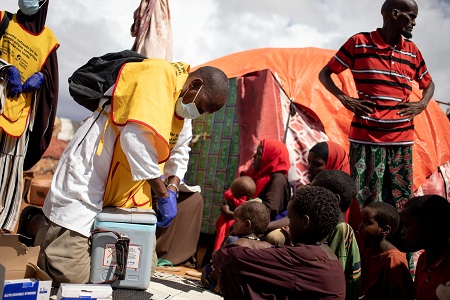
169,286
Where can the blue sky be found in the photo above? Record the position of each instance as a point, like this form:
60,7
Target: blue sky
207,29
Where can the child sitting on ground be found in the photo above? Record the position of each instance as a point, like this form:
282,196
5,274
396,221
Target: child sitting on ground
241,189
426,225
342,240
251,220
306,270
385,273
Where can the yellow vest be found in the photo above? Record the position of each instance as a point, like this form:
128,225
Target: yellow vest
137,97
28,53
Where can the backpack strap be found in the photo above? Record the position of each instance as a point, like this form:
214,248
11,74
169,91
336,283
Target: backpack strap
100,112
7,16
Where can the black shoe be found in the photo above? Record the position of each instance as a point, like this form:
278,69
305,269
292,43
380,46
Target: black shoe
25,217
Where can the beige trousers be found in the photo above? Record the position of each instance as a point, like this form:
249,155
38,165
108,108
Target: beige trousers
64,254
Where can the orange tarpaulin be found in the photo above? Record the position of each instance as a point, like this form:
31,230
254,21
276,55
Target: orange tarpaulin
298,69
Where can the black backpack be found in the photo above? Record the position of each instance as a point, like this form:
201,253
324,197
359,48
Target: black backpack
89,82
7,16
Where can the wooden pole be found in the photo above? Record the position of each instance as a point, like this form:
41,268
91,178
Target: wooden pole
441,102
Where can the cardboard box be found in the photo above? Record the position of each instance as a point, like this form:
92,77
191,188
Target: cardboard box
84,291
39,190
20,278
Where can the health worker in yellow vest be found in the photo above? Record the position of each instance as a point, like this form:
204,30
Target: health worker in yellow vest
115,159
28,48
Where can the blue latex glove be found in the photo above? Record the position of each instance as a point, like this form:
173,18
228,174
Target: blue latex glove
167,210
14,82
33,83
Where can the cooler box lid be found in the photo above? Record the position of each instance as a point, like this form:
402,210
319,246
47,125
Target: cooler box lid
127,215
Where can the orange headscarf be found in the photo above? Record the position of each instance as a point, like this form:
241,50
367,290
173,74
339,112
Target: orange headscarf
337,158
274,159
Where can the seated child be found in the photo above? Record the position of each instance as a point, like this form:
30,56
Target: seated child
241,189
426,225
342,240
385,273
306,270
251,220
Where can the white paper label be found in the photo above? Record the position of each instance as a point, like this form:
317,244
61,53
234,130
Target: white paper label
134,256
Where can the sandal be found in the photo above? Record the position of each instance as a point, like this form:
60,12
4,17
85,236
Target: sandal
194,273
22,230
164,262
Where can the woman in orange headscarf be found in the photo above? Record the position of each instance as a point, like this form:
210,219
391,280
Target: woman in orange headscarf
327,156
270,167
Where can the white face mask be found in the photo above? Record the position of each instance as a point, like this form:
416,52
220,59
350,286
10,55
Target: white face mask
29,7
187,111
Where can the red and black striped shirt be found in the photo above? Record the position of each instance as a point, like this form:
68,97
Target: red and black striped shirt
384,75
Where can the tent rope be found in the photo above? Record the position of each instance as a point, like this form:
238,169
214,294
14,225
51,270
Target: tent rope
292,110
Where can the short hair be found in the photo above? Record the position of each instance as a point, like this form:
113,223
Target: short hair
255,211
321,149
389,5
320,205
339,183
216,86
386,214
432,208
244,186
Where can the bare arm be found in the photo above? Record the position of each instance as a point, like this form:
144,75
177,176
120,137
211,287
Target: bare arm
158,187
175,180
357,106
225,210
412,109
278,224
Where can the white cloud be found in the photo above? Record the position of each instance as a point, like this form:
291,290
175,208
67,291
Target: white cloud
238,25
207,29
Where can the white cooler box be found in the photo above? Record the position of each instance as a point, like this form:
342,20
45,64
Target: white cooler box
137,225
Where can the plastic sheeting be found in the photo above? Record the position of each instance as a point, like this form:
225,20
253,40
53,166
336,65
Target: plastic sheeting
298,69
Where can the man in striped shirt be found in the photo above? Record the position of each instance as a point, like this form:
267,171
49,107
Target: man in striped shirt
384,64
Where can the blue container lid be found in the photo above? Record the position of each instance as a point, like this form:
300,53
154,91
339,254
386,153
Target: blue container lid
127,215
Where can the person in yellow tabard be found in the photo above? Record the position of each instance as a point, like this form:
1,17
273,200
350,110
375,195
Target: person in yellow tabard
28,47
115,159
